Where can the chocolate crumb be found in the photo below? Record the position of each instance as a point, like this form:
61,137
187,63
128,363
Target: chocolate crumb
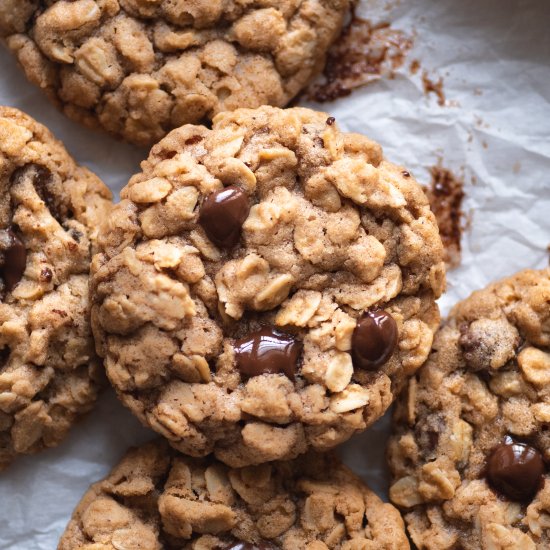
365,52
446,194
414,67
431,87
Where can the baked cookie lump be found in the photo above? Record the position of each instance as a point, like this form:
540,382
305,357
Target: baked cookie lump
471,445
139,68
50,210
156,498
242,269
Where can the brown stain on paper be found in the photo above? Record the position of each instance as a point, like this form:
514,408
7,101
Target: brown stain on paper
446,193
433,87
364,53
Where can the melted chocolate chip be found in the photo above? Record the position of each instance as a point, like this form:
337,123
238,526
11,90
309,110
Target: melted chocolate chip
13,259
374,339
45,185
268,351
515,470
222,215
248,546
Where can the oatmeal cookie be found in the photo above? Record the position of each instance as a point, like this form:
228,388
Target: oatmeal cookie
471,443
139,68
265,286
156,498
50,209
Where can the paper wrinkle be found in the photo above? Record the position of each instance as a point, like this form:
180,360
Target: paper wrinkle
494,57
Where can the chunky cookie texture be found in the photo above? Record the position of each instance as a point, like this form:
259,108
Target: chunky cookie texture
238,271
139,68
50,209
471,445
158,499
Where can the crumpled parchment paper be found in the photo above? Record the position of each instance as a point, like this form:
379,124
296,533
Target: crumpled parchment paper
494,57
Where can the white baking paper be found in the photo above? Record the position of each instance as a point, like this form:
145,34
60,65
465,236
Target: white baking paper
494,56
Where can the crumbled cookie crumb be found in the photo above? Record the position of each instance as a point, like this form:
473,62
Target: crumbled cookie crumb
365,52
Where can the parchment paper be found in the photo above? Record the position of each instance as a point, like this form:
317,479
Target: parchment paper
494,56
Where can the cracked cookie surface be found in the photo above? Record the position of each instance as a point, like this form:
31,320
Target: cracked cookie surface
470,437
139,68
157,499
50,209
296,330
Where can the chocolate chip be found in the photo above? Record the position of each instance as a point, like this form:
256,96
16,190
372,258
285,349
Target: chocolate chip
13,259
268,351
374,339
248,546
222,215
406,174
515,470
40,176
46,275
331,120
43,181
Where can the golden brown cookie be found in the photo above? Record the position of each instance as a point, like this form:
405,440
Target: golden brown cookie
157,499
139,68
265,286
471,444
50,209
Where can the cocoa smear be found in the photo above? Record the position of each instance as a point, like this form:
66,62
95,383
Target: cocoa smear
365,52
431,87
446,194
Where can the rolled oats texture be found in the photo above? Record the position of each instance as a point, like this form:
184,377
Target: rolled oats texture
333,230
485,380
157,499
50,210
139,68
